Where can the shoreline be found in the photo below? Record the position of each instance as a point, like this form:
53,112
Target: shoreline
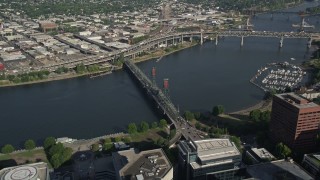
71,76
262,105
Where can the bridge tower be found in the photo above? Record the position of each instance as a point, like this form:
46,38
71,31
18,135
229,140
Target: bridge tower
201,38
166,86
153,74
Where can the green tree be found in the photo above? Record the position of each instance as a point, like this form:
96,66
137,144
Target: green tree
29,144
66,154
55,160
217,110
6,149
282,150
163,123
198,125
255,115
117,139
48,142
56,149
188,115
154,125
107,140
132,128
236,141
95,147
108,147
144,126
126,139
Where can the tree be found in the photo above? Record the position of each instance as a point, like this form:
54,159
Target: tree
117,139
6,149
108,147
188,115
132,128
217,110
56,149
236,141
55,160
29,144
126,139
255,115
198,125
48,142
95,147
107,140
154,125
163,123
144,126
282,150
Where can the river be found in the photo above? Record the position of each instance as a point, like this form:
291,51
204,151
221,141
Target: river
199,77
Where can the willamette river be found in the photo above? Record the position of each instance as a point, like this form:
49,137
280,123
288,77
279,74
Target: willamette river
200,77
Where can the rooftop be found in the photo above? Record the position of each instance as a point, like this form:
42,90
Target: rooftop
30,171
296,100
149,164
278,170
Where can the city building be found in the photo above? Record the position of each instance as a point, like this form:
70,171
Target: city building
208,159
281,169
312,164
294,121
259,155
133,165
47,25
33,171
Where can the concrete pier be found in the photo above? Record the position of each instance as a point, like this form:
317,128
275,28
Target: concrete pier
242,38
281,42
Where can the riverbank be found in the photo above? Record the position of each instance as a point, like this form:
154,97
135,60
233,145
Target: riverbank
155,54
263,105
61,77
161,52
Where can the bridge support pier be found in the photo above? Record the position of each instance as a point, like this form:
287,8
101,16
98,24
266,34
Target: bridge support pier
309,43
201,38
166,42
217,40
191,38
281,42
173,40
242,38
182,39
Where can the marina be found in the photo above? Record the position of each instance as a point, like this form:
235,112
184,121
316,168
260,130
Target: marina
278,76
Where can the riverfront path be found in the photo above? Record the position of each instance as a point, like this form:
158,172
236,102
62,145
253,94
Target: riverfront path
183,128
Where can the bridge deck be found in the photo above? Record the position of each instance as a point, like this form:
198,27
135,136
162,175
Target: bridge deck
163,102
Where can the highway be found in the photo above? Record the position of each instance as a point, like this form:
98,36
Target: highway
154,41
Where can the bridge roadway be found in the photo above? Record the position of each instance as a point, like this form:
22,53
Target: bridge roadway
164,104
155,41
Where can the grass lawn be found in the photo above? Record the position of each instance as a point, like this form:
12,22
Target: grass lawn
146,140
27,156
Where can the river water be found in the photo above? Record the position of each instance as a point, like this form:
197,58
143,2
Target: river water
199,77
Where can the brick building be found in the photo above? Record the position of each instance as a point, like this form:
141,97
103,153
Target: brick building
47,25
294,121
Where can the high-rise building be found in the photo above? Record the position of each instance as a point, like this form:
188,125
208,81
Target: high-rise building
294,121
208,159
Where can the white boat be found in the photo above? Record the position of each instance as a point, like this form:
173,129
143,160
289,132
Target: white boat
292,59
